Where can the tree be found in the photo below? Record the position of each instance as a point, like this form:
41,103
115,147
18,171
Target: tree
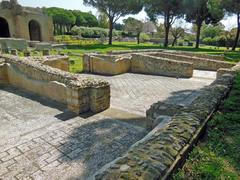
115,9
212,31
168,9
134,26
233,7
200,11
177,32
62,19
103,20
85,19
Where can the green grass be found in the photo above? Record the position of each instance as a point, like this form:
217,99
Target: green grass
75,51
217,156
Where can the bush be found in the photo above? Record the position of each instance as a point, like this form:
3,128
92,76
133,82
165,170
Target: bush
144,37
94,32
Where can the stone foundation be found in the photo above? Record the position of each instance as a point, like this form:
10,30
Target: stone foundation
106,65
198,62
136,63
55,61
80,95
160,66
3,73
12,43
160,153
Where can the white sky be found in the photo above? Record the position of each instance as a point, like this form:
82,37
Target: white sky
229,22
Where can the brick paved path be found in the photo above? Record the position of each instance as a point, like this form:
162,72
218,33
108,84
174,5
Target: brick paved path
40,139
137,92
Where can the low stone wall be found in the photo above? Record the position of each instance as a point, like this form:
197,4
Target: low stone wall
80,95
146,64
106,65
56,61
11,43
198,62
120,52
235,69
199,55
159,154
3,72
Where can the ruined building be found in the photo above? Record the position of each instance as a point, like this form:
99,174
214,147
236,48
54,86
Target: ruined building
28,23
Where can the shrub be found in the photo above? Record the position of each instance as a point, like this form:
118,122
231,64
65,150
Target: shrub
144,37
94,32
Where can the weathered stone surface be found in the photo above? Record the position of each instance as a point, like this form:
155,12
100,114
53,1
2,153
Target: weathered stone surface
19,18
55,61
58,85
12,43
40,139
106,65
199,62
160,66
159,154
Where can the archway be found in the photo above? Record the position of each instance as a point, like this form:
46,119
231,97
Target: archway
34,31
4,29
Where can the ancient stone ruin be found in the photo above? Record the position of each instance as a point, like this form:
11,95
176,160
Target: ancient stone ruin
27,23
131,115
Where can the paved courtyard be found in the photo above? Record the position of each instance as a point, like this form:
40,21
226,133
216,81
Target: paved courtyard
40,139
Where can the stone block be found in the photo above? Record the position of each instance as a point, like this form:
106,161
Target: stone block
99,99
41,46
160,66
11,43
55,84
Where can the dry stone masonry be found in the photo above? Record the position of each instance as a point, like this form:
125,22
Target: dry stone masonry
160,152
80,95
198,62
154,62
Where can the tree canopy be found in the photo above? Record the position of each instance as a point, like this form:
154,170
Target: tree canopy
200,11
85,19
115,9
233,7
134,26
168,9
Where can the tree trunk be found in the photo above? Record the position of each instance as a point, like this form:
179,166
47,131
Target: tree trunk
110,31
174,42
238,33
199,26
167,28
138,38
61,30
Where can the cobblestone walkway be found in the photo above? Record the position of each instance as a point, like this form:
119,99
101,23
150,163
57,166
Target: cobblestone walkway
40,139
137,92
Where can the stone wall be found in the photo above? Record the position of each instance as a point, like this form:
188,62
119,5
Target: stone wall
55,61
161,152
3,72
80,95
146,64
235,69
198,62
106,65
11,43
199,55
18,19
121,52
136,63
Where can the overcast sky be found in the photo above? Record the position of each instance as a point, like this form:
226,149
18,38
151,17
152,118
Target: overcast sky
229,22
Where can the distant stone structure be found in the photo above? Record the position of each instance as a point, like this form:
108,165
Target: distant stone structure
27,23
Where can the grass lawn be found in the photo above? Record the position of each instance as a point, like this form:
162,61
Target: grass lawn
217,156
75,51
